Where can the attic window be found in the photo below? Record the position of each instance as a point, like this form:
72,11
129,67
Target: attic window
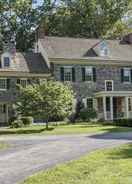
6,61
104,50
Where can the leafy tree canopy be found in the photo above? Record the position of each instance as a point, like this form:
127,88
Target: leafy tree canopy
46,100
76,18
86,18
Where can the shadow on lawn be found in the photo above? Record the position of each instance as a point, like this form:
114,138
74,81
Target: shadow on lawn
123,153
117,133
23,131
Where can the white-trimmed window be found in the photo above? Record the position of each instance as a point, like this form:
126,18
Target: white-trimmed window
68,74
23,83
3,84
89,73
109,85
6,62
127,75
90,104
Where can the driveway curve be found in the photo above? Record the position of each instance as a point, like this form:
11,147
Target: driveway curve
30,154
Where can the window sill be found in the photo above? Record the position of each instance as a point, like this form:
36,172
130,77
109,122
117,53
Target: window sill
3,89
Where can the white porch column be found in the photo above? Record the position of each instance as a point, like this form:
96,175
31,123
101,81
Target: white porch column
111,107
104,108
126,107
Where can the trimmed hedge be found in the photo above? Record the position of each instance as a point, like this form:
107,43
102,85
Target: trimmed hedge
86,115
124,122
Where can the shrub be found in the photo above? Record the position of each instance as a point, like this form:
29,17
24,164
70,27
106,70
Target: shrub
12,119
17,124
86,115
27,121
124,122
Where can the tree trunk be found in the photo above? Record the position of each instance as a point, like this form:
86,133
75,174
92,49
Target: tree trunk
47,124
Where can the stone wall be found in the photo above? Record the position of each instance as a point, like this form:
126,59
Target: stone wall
86,89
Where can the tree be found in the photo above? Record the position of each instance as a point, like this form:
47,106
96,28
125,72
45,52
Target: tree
18,21
45,100
119,30
84,18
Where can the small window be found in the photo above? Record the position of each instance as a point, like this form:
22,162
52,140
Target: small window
90,104
3,84
23,83
6,61
67,74
127,75
109,85
89,74
104,50
2,108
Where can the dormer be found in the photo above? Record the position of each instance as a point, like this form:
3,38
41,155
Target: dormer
6,60
103,49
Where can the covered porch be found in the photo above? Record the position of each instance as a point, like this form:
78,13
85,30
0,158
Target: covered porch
112,105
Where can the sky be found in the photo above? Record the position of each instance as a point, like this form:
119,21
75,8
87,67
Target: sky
36,3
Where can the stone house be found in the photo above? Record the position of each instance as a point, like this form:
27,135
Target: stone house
16,69
100,71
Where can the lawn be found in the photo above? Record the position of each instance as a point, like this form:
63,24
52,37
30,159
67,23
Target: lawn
111,166
3,146
81,128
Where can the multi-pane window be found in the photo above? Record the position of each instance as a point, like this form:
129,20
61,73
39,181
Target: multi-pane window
127,75
109,85
89,74
67,74
23,83
3,84
6,61
90,104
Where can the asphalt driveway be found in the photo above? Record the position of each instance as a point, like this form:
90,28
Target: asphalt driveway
30,154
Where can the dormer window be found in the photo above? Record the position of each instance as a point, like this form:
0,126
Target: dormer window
104,50
6,61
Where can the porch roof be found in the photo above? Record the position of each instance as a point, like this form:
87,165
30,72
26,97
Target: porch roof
114,94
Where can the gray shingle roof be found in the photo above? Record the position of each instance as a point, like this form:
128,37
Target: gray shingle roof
29,62
79,48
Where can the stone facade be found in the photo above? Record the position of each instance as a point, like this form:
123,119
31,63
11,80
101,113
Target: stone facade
103,72
9,95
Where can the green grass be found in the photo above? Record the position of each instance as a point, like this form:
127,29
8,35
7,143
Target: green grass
81,128
3,146
112,166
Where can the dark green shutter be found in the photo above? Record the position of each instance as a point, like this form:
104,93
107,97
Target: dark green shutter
83,74
4,108
131,75
73,75
122,75
8,83
94,74
62,73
